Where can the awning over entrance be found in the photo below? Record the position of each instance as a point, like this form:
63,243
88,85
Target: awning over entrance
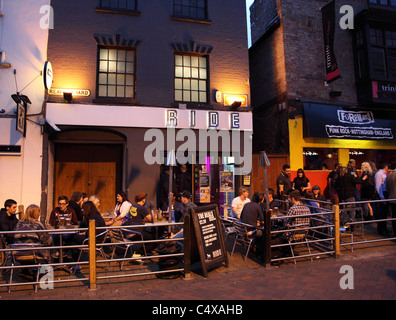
336,122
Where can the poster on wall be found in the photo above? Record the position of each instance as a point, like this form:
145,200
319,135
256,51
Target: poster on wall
21,119
226,181
204,187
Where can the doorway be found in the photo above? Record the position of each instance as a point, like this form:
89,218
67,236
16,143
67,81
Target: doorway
95,169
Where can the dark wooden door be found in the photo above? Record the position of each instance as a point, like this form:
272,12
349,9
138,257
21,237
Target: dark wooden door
95,169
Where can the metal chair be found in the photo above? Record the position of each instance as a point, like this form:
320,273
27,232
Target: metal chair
121,241
26,254
227,227
243,236
298,234
99,247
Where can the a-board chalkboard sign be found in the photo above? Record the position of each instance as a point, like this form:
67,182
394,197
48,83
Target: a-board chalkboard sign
209,236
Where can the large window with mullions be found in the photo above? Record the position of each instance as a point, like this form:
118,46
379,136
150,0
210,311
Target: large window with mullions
191,78
116,72
195,9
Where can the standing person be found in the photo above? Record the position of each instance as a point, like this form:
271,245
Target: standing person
352,170
183,180
391,188
8,219
121,209
331,178
301,182
346,185
76,202
381,210
238,202
283,182
367,189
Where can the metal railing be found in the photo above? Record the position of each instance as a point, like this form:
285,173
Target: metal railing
93,263
325,234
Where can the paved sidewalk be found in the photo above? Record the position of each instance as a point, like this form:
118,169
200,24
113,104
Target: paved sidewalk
374,278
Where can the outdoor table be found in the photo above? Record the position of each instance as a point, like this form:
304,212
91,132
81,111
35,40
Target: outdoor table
61,232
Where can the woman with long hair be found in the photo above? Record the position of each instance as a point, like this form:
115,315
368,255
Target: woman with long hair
367,189
301,182
121,209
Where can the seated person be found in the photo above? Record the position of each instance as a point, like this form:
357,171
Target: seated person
63,211
30,221
273,203
297,208
75,203
8,219
252,214
137,213
177,206
188,204
90,213
121,210
238,202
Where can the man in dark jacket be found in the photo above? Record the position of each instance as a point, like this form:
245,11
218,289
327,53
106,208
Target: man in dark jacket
346,186
8,219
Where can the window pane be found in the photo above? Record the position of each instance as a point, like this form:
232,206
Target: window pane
129,93
178,84
121,67
129,80
120,79
378,62
186,95
202,73
186,61
131,5
178,60
102,78
202,62
121,55
122,4
186,84
111,91
130,68
194,96
194,73
112,66
202,97
130,56
120,91
202,85
194,61
112,54
178,95
194,84
103,66
186,72
179,72
103,54
111,79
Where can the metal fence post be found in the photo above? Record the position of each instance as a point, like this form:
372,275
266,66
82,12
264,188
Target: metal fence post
267,238
336,210
187,246
92,254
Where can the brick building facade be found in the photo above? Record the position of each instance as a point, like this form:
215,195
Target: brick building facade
134,66
288,72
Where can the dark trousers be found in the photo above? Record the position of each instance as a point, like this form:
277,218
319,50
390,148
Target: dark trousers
381,212
393,210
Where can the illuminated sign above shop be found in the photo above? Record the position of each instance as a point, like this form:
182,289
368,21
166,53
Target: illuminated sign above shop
75,92
48,75
230,99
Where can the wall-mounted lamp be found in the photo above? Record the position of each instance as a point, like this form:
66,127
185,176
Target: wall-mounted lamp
236,104
18,98
67,96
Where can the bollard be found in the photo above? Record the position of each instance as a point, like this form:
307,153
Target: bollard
336,210
187,246
92,254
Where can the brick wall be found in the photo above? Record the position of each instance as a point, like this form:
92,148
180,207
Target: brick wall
73,49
